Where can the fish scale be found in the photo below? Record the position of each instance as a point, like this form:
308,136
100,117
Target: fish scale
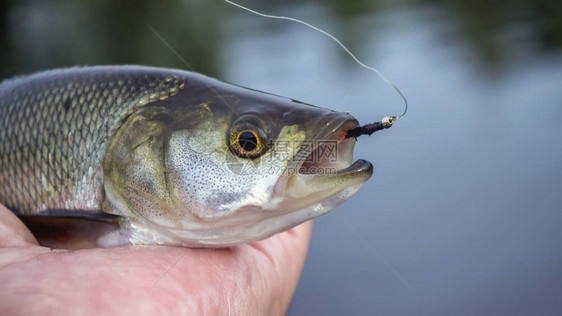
50,123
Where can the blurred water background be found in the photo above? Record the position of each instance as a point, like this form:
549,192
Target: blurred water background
465,202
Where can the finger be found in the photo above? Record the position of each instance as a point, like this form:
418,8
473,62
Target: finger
13,232
286,254
296,243
258,278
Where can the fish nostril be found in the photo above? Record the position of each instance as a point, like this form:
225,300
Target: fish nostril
288,117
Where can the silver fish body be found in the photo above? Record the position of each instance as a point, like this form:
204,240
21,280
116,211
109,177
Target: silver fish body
172,157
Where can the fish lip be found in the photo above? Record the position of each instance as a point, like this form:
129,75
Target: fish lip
360,165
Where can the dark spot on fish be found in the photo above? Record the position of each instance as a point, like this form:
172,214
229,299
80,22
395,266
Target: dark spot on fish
67,105
165,174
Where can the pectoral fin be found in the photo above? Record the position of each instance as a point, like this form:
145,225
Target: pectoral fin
78,231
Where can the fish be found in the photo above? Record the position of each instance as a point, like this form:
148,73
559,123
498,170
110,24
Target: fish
103,156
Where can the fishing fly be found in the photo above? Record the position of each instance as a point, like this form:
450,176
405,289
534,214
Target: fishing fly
368,129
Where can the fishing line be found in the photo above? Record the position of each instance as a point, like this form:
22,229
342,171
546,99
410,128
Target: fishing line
368,129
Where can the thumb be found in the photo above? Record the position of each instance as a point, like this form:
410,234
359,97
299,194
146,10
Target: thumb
13,232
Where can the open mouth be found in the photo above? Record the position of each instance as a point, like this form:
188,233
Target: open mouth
332,154
328,157
324,166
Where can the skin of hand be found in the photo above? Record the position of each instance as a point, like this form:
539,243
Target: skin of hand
258,278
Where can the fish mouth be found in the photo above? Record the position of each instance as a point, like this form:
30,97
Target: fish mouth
327,174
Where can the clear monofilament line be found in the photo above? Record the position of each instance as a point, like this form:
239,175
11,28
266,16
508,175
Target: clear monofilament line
335,40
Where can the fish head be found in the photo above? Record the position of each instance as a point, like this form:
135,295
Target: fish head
228,167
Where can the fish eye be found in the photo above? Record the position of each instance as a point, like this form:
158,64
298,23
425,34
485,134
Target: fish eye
247,143
247,140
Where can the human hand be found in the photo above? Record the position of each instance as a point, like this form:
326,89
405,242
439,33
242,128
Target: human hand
258,278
